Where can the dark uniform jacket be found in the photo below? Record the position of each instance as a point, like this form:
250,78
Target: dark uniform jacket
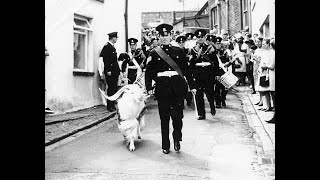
109,55
207,72
157,64
138,56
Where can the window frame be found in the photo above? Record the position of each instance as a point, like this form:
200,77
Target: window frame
245,13
215,17
87,33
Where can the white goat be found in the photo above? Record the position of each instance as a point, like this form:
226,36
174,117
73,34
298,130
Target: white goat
131,107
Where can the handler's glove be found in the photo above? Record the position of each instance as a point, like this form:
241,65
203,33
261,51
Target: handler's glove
218,78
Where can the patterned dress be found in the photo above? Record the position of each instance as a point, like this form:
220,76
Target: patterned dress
256,65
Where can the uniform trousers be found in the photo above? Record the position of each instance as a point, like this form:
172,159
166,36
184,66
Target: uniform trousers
170,105
220,93
112,82
204,86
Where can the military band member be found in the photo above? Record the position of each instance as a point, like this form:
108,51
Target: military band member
209,39
204,66
170,86
220,90
190,43
136,64
181,42
111,68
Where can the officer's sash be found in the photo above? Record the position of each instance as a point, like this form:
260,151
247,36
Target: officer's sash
169,60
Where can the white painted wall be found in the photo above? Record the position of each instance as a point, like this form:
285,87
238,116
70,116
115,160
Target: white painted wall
76,92
262,9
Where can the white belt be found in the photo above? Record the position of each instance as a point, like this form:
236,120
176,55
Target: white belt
167,73
203,64
132,67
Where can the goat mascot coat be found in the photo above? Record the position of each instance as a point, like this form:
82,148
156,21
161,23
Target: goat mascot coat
131,107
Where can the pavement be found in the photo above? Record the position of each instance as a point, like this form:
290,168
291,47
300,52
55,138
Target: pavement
62,126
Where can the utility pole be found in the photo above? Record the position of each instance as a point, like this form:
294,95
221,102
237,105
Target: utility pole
126,24
184,14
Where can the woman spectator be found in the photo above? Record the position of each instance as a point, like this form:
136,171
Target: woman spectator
263,70
271,67
256,58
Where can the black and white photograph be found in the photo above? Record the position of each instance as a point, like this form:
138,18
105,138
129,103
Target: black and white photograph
160,90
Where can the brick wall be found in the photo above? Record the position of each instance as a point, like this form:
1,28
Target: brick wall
234,15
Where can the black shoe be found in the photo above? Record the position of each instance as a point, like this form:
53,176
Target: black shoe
253,92
201,117
213,112
257,103
223,103
272,121
218,106
177,145
166,151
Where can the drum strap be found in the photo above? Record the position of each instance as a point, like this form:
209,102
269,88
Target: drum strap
221,64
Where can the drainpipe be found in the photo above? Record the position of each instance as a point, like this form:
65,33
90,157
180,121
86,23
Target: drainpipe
126,24
227,19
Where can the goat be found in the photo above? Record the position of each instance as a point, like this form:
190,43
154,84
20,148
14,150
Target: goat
131,105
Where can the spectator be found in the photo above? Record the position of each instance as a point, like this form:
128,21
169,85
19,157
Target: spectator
271,67
249,63
256,58
239,54
263,70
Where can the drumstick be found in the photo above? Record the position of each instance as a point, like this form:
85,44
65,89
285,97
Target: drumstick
195,103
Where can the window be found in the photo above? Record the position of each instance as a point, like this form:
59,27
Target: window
245,14
81,39
214,13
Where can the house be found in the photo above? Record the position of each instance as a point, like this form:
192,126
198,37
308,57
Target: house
75,33
152,19
200,20
263,18
254,16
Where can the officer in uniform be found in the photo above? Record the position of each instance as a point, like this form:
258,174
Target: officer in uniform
220,90
111,68
170,86
136,64
204,66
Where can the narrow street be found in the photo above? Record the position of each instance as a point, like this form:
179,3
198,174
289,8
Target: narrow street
221,147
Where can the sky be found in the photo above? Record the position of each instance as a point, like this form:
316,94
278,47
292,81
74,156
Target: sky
169,5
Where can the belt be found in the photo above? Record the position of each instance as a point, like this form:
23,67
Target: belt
203,64
167,73
132,67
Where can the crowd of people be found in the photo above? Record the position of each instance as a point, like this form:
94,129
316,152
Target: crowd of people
178,66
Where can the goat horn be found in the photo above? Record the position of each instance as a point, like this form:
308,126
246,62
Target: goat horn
116,95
